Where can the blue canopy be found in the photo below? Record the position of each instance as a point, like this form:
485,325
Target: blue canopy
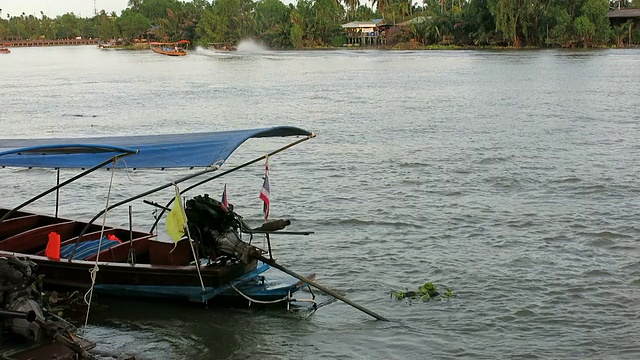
150,151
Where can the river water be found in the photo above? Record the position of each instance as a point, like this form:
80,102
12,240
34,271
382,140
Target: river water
509,176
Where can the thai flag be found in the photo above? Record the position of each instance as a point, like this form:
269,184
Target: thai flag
266,191
225,202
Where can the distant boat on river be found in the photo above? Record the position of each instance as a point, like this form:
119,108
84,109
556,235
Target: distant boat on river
112,44
4,50
170,49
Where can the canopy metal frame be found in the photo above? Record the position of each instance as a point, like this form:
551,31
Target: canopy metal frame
87,148
178,181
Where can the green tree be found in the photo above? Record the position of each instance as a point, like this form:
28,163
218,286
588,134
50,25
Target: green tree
296,32
106,26
227,21
303,15
596,12
352,7
269,13
48,27
585,30
155,10
328,16
559,27
68,26
364,12
479,22
4,29
295,35
382,6
507,15
273,23
176,25
620,34
132,24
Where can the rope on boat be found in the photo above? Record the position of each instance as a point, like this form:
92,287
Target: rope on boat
94,271
286,298
126,169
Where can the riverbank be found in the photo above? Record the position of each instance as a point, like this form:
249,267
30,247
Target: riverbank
59,42
521,156
136,46
398,46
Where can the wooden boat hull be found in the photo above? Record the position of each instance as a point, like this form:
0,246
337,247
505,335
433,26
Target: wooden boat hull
138,267
154,264
169,53
75,274
5,51
138,280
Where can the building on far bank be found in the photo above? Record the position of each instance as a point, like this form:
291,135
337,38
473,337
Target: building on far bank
620,16
366,33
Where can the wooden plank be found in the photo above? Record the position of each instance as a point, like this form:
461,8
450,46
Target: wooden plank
35,239
15,226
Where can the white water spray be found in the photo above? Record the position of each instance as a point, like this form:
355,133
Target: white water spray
250,46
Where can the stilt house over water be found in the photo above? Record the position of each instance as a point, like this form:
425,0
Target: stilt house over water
366,33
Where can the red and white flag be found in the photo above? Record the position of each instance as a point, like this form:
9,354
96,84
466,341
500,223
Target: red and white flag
225,201
265,193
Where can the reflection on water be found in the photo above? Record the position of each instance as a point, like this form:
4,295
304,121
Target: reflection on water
173,331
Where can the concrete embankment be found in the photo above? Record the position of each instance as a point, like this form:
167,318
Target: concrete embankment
59,42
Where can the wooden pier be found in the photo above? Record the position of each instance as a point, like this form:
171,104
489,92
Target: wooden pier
59,42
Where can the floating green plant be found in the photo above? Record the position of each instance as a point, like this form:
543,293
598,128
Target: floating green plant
425,292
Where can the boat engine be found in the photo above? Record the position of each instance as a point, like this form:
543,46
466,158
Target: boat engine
215,229
17,297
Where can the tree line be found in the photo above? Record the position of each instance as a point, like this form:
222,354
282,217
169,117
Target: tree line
317,23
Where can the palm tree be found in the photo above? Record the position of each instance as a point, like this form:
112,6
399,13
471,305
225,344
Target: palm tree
381,5
352,6
134,4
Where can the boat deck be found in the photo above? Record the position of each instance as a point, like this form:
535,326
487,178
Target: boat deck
139,260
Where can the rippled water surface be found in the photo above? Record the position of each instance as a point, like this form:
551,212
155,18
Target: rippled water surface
511,177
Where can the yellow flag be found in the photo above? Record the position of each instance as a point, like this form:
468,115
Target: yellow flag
176,220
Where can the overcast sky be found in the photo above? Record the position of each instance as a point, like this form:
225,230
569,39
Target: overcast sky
54,8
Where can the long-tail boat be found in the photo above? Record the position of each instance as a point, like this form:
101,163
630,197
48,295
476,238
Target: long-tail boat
169,48
209,257
4,49
213,260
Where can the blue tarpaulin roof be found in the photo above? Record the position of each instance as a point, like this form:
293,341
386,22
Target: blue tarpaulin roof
153,151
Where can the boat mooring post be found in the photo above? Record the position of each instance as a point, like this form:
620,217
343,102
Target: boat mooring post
57,191
130,227
320,287
131,256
